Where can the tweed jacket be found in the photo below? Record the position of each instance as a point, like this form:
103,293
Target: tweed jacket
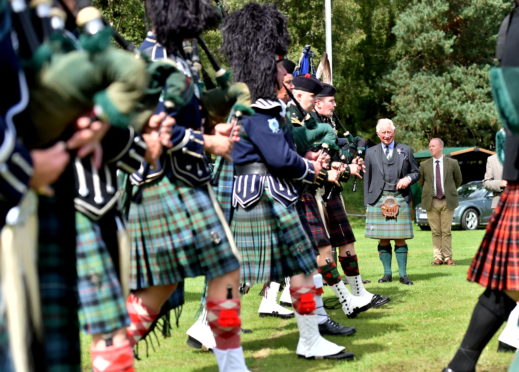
451,181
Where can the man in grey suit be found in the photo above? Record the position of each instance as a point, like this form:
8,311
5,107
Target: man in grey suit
390,169
493,180
440,177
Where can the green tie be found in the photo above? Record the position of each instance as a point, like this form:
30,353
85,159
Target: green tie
387,153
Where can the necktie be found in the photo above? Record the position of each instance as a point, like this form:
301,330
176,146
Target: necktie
439,190
387,153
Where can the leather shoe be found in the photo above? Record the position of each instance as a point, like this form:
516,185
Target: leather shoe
405,280
450,262
335,329
379,300
505,348
437,261
386,278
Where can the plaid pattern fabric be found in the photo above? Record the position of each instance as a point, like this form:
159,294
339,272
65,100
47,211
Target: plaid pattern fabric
58,285
317,231
223,178
272,241
142,318
380,227
496,264
338,225
176,234
102,304
223,317
5,357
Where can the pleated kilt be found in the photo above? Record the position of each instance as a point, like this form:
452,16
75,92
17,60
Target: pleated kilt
380,227
176,234
58,279
272,241
338,225
317,231
496,264
102,304
5,354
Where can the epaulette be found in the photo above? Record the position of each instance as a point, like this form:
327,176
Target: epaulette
295,121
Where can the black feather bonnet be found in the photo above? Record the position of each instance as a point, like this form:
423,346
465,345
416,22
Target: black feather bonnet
254,38
176,20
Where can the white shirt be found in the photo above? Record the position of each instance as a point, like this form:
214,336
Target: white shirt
441,173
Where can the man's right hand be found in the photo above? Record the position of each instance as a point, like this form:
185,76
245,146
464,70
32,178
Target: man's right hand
48,164
334,176
356,170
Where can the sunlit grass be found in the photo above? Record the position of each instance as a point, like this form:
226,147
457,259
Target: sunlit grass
419,330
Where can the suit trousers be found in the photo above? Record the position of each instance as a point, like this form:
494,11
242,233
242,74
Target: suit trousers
440,221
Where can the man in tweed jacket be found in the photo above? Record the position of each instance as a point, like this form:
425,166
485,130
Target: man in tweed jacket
440,176
390,170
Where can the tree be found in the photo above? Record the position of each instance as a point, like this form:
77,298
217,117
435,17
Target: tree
127,17
439,84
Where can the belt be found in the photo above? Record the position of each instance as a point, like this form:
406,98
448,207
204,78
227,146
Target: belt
251,168
435,197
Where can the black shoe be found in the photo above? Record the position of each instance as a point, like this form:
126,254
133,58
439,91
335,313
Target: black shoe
194,343
335,329
405,280
245,330
379,300
339,356
505,348
386,278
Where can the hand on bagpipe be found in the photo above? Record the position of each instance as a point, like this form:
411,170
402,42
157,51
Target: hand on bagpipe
353,150
345,164
68,78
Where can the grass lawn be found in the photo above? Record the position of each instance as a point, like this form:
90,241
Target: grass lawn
419,330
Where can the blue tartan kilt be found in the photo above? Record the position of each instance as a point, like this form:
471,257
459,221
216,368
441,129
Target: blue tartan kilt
176,234
102,303
380,227
272,242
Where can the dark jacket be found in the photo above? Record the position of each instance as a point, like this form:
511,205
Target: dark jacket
374,176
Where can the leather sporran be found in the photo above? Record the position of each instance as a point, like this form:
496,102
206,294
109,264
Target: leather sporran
389,207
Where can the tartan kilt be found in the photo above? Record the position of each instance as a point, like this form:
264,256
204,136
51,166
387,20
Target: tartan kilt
176,234
380,227
5,354
315,226
272,242
496,264
102,303
58,279
338,225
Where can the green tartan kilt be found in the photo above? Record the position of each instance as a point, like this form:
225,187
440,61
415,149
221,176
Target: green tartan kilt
102,304
5,355
176,234
380,227
272,242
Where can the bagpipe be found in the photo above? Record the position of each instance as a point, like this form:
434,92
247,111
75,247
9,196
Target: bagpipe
325,136
69,77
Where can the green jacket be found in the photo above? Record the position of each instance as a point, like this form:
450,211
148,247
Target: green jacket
451,181
306,131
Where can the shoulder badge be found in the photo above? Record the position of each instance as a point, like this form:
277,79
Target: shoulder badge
273,125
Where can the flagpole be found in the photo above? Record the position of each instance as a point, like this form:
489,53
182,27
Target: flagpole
328,28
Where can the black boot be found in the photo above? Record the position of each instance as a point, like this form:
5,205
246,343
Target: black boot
492,309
